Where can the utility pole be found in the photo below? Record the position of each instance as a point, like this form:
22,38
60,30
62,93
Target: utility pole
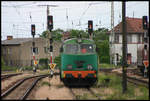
112,33
49,23
124,44
48,12
33,45
47,15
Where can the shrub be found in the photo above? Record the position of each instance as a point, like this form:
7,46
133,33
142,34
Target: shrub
57,60
43,63
104,59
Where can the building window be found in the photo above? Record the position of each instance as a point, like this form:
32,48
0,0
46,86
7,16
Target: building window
45,49
129,38
9,50
129,58
4,51
36,50
116,38
139,38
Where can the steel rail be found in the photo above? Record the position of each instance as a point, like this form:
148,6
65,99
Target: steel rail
74,95
17,84
130,79
93,93
31,87
9,75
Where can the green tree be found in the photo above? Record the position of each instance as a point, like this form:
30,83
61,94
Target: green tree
44,34
102,43
103,51
75,33
57,60
56,34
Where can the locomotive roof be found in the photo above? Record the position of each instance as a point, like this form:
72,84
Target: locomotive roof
75,41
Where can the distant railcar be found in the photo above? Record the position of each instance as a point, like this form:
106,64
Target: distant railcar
79,62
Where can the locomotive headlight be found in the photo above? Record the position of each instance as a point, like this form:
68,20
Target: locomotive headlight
89,67
69,66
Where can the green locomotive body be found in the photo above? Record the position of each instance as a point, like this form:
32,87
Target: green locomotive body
79,61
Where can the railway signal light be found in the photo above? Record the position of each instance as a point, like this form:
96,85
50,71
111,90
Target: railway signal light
145,24
90,26
51,48
33,44
51,40
33,29
34,50
50,22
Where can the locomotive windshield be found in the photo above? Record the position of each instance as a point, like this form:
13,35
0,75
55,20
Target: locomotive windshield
71,48
79,48
87,48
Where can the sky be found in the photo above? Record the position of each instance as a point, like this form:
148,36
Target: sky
17,16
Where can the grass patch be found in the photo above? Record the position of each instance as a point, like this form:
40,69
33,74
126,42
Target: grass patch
108,66
83,97
9,68
60,86
113,89
46,83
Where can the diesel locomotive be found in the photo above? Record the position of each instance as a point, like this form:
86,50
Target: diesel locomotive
79,62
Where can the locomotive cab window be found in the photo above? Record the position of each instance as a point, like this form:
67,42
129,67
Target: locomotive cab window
71,48
87,48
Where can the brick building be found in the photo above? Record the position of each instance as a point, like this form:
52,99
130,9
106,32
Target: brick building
135,36
18,51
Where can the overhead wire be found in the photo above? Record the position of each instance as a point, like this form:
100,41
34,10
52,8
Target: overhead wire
19,5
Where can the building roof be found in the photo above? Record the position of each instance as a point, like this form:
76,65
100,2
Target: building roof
134,25
16,41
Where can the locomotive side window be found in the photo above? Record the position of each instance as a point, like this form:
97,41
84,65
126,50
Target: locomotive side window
71,48
87,48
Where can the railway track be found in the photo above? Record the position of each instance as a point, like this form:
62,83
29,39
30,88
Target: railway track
6,76
75,96
22,88
93,93
131,79
138,81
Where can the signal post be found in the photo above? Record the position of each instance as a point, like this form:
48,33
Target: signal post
50,27
146,41
33,45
